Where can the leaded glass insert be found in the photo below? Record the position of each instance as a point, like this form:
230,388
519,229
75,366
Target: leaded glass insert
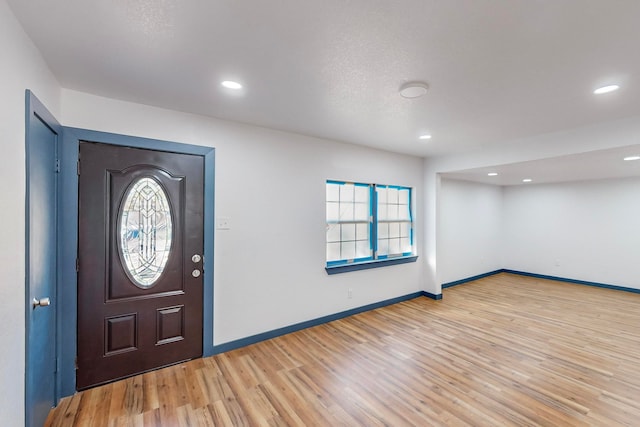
145,231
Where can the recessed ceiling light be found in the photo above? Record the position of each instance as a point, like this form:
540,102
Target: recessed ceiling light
606,89
492,174
413,89
231,84
527,180
426,136
632,158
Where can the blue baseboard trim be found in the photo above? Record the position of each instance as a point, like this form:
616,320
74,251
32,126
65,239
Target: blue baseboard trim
242,342
471,279
432,296
232,345
538,276
574,281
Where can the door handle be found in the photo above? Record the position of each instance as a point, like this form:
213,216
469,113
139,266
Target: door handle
42,302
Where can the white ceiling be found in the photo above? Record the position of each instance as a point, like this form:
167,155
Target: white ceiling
498,70
600,164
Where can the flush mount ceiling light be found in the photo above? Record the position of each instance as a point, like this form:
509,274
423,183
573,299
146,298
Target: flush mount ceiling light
229,84
527,180
492,174
630,158
606,89
413,89
426,136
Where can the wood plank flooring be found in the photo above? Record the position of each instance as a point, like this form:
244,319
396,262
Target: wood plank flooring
504,350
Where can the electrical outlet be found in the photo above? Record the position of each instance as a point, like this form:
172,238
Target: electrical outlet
350,293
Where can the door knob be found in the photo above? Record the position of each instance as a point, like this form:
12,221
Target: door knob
42,302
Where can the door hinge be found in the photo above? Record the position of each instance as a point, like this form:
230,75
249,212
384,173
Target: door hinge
75,363
56,365
77,265
78,166
57,165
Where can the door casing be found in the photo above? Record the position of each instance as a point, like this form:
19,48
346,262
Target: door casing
68,206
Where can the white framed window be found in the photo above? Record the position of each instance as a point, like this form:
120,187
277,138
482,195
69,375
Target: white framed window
367,222
394,222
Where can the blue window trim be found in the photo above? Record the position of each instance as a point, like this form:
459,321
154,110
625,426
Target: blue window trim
371,224
373,214
344,261
376,263
375,203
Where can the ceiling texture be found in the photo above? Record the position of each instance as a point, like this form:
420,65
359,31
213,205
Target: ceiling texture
497,70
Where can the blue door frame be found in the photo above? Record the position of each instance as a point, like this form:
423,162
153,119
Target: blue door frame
68,232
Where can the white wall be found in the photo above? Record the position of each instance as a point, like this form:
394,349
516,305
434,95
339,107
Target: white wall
598,136
469,229
269,267
584,230
579,230
21,68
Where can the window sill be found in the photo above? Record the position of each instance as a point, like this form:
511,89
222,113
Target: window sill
345,268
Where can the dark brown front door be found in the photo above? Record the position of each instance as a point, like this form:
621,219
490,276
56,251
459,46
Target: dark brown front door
140,261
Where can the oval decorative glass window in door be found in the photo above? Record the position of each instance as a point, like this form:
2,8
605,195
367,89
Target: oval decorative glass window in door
145,231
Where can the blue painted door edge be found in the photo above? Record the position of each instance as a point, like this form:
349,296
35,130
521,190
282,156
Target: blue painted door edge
69,237
35,108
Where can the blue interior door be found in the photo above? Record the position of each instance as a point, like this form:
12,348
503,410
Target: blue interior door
41,217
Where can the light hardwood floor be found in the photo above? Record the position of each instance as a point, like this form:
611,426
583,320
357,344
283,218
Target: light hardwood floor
504,350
